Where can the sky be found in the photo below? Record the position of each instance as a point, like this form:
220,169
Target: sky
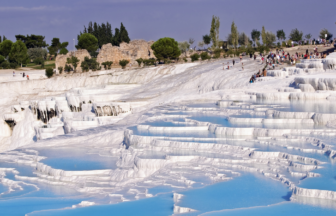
153,19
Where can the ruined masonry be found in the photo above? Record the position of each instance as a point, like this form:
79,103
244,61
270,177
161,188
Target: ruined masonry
130,51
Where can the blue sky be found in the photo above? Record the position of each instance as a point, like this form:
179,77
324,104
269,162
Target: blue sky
152,19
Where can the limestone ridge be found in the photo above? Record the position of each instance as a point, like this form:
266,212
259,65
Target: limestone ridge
130,51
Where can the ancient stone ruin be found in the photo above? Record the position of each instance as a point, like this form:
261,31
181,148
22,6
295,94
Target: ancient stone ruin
129,51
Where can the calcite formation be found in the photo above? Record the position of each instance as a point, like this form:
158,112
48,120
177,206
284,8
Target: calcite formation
131,51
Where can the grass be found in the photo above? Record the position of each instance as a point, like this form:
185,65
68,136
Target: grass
47,64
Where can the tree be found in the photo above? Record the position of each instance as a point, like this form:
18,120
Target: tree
5,47
296,35
214,31
56,45
255,35
4,38
116,39
123,34
234,35
184,47
18,52
270,39
243,39
206,39
123,63
281,35
201,44
263,35
324,32
166,49
63,51
102,32
32,41
191,41
73,61
87,41
34,53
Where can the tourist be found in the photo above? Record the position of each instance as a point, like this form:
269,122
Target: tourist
23,74
13,73
242,65
233,62
27,77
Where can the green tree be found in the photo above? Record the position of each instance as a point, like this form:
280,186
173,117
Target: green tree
243,39
214,31
102,32
32,41
263,35
201,44
255,35
5,47
34,53
166,49
124,34
116,39
2,59
296,35
324,32
18,52
63,51
184,47
234,35
191,41
123,63
281,35
87,41
270,39
73,61
56,46
206,39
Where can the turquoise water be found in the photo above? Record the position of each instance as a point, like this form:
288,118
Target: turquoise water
285,208
158,206
248,194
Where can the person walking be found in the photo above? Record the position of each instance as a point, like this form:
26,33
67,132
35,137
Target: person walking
27,77
243,65
233,62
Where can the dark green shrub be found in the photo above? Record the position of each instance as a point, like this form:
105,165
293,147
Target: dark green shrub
140,60
13,65
217,53
205,56
49,72
185,59
89,64
2,59
5,65
123,63
67,68
194,57
148,62
60,69
38,61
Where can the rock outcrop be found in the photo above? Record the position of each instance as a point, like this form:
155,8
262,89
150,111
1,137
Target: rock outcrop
62,59
130,51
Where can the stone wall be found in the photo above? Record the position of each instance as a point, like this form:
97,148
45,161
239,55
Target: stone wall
62,59
130,51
